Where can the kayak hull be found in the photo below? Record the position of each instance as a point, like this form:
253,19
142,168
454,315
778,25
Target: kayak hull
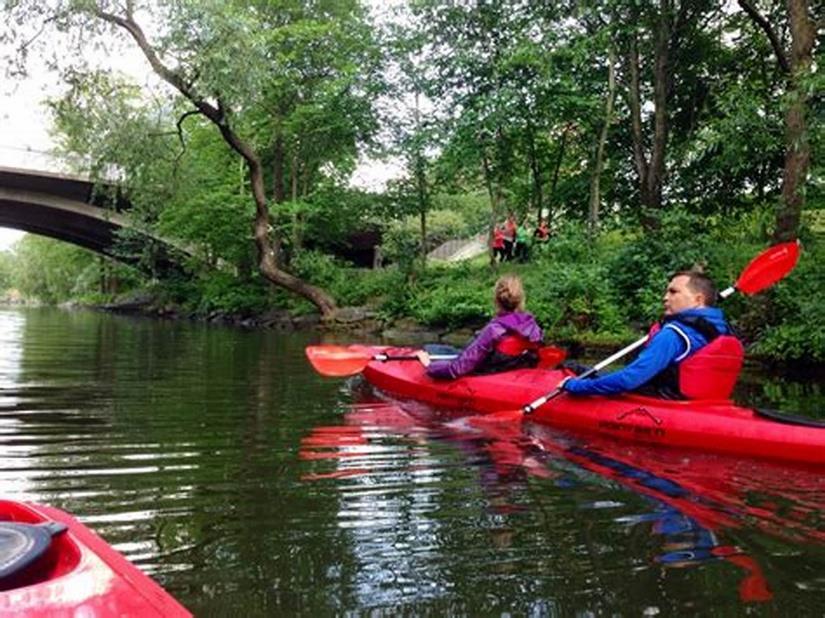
80,575
709,425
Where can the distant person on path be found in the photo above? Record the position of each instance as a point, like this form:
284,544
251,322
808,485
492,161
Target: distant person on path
498,243
542,232
510,229
690,354
509,341
522,247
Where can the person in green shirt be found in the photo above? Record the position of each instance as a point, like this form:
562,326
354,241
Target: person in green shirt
523,242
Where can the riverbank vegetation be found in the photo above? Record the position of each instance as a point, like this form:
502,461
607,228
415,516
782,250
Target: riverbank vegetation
652,136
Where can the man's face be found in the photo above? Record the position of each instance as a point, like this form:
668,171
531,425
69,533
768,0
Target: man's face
679,296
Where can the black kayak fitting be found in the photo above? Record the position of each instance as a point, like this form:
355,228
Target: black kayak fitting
21,544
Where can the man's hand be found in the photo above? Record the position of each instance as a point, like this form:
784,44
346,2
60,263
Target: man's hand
423,357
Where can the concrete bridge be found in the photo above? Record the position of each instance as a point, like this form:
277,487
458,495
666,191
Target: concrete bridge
70,209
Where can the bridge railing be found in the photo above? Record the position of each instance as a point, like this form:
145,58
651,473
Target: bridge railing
21,157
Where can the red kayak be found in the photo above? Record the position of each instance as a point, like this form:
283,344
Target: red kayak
52,565
710,425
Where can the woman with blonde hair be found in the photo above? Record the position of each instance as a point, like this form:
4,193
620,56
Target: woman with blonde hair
509,341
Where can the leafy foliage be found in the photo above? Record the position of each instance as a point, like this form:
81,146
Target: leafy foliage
51,271
491,107
5,270
798,331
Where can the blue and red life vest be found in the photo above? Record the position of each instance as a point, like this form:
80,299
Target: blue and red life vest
709,373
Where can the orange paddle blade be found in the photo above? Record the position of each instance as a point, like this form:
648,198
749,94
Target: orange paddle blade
337,361
768,267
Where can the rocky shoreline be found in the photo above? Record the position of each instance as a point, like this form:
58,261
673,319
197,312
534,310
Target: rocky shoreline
350,323
354,321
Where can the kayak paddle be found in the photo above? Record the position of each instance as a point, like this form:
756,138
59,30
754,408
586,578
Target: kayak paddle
761,272
341,361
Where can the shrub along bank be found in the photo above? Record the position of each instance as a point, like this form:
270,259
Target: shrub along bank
608,291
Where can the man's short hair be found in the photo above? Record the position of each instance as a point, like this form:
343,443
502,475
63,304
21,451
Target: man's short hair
700,283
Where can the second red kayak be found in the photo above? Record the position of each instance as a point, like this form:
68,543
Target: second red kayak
709,425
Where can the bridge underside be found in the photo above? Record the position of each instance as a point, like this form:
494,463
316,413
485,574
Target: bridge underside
68,209
71,227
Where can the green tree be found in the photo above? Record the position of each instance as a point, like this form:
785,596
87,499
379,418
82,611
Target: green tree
224,60
415,123
505,76
52,271
6,269
796,63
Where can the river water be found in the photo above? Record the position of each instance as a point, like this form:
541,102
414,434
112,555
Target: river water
220,464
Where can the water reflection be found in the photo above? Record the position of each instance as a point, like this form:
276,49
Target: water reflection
189,448
11,351
694,504
387,502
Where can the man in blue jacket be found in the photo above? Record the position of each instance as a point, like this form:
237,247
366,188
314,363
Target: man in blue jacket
690,323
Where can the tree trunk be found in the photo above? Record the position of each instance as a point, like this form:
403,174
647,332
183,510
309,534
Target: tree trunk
488,181
217,114
557,168
278,154
297,218
535,172
797,146
651,171
278,185
661,81
421,187
267,260
598,164
293,176
634,100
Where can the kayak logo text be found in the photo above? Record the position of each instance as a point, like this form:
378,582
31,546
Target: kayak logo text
640,431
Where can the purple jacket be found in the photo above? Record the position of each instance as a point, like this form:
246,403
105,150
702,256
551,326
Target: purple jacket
515,323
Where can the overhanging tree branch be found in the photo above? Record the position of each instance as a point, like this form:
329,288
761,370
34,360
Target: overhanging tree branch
217,114
763,23
179,125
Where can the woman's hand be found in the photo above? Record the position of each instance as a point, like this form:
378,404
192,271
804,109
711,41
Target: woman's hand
423,357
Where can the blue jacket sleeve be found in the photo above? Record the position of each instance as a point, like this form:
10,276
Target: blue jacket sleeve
659,353
470,358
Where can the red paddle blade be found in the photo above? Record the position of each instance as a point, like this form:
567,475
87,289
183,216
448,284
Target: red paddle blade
768,267
337,361
550,356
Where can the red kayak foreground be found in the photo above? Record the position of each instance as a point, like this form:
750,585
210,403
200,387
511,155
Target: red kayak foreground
52,565
709,425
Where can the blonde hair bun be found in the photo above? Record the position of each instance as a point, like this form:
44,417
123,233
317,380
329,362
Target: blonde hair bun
509,293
